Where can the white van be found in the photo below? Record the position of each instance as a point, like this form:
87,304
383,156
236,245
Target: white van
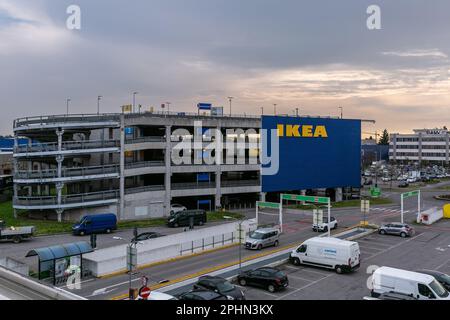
331,253
417,285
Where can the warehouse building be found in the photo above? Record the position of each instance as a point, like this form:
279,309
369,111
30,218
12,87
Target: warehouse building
424,145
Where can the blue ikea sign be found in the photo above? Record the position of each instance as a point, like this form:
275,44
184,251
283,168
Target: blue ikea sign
314,153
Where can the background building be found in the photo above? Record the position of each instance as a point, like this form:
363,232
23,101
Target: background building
424,145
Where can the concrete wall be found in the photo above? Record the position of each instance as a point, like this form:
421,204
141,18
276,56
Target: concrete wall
106,261
15,265
144,205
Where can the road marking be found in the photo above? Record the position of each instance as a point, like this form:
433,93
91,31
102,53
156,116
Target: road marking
305,286
442,265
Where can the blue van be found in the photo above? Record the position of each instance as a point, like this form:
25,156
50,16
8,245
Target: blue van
98,223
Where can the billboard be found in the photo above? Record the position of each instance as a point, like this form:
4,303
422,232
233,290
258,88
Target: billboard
314,153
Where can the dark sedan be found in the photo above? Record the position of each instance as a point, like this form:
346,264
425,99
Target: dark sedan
147,236
220,285
442,278
271,279
199,295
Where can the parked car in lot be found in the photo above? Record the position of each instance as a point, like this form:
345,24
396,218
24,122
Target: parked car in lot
219,285
98,223
147,236
196,295
174,208
418,285
262,238
183,218
442,278
271,279
323,227
396,228
330,253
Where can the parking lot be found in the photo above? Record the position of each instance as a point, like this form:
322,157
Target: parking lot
429,248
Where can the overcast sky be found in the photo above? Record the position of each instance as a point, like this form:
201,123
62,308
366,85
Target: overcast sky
314,55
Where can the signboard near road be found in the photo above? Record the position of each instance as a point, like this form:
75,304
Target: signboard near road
410,194
301,198
131,258
144,292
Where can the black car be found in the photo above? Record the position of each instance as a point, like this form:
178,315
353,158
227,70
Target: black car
147,236
442,278
271,279
403,184
197,295
219,285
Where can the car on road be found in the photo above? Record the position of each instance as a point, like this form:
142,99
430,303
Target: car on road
396,228
403,184
15,234
261,238
186,217
271,279
147,236
442,278
418,285
323,227
174,208
219,285
98,223
330,253
196,295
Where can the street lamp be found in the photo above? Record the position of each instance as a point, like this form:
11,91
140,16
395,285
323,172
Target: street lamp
240,238
275,109
296,112
342,112
98,103
262,110
67,105
134,100
231,100
168,107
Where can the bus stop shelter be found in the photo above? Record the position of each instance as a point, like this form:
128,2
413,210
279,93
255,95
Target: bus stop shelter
56,260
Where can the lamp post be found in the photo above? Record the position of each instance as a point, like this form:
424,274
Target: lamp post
67,105
296,112
275,109
262,110
240,238
342,112
168,107
98,103
134,100
231,100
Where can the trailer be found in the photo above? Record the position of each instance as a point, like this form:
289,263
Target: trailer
15,234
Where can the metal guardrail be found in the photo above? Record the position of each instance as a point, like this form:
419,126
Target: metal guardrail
193,185
145,139
144,189
67,199
67,172
240,183
69,145
43,120
144,164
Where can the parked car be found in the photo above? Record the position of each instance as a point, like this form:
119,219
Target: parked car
262,238
15,234
196,295
323,227
98,223
442,278
392,296
418,285
331,253
403,184
271,279
174,208
183,218
147,236
396,228
219,285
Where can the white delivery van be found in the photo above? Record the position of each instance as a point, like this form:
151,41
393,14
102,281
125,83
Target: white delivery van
331,253
418,285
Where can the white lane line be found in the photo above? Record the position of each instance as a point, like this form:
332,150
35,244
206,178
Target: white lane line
442,265
304,287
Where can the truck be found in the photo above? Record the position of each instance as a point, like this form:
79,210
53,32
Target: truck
15,234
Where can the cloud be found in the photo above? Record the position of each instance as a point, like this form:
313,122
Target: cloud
418,53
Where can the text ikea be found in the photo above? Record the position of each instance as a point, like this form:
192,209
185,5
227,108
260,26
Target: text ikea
302,131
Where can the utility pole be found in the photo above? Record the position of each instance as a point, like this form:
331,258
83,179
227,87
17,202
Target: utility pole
98,103
168,107
67,105
134,100
231,100
342,112
262,110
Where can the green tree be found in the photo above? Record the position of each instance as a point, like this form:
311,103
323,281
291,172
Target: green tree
384,140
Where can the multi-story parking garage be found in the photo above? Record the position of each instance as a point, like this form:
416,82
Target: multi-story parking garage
122,163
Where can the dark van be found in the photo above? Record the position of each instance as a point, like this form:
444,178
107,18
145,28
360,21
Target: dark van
183,218
98,223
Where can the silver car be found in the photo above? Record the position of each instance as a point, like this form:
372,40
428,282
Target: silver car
262,238
396,228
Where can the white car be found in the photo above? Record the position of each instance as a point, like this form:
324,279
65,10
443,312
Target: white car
323,227
174,208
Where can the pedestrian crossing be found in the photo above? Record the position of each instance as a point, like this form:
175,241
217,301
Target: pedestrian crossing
388,210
